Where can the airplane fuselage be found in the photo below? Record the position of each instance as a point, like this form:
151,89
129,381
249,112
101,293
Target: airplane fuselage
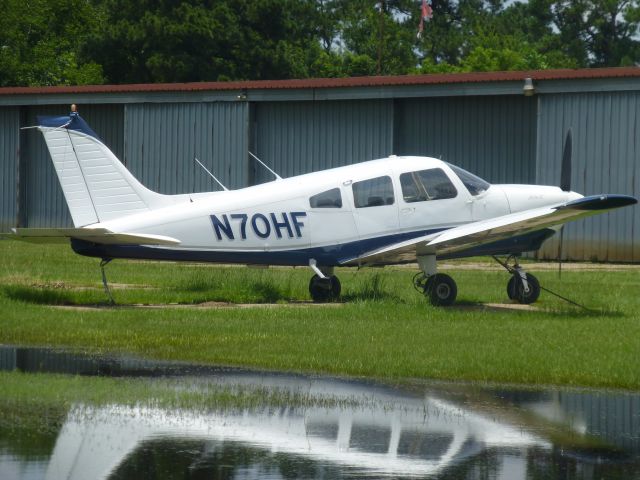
330,216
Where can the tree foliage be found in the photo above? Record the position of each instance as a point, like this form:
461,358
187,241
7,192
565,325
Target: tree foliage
58,42
40,41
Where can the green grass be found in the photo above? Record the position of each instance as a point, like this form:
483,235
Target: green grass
383,330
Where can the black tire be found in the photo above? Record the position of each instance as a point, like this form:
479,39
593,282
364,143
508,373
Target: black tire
324,290
515,289
441,290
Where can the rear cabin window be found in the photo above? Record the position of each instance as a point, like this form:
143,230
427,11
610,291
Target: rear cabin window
424,185
329,199
373,193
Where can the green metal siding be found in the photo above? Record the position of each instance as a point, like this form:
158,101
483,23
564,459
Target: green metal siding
161,141
9,148
301,137
493,137
606,143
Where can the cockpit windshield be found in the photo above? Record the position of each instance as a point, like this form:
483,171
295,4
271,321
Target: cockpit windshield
474,184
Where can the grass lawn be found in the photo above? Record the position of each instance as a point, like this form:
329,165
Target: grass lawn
383,329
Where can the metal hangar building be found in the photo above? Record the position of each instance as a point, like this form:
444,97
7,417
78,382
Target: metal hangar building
507,127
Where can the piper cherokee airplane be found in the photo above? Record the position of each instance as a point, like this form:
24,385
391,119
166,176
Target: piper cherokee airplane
387,211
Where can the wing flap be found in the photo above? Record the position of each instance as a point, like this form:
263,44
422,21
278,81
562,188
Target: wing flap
401,252
94,235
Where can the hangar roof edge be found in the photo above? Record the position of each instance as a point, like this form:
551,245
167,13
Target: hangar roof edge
328,83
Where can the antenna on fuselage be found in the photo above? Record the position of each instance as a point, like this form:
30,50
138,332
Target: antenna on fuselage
211,174
278,177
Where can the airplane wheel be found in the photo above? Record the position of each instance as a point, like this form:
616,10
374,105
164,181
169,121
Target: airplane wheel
441,290
324,289
515,289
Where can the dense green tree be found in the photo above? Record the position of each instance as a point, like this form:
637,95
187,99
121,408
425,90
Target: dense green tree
378,35
484,35
181,41
40,42
58,42
598,32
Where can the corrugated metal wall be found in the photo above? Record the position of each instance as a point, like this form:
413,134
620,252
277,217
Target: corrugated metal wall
606,145
504,139
9,148
161,141
301,137
493,137
44,204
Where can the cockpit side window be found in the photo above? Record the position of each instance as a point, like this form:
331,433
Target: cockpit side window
424,185
329,199
474,184
374,192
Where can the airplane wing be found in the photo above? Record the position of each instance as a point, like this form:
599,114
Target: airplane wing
483,232
94,235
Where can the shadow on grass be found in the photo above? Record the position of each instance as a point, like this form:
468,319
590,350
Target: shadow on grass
373,289
38,295
567,311
575,312
267,292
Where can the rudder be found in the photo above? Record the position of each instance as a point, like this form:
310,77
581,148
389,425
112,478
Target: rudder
96,185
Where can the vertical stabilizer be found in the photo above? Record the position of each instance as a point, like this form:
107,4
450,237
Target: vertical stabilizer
96,185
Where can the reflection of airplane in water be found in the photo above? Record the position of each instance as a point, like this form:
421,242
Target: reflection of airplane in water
375,433
347,427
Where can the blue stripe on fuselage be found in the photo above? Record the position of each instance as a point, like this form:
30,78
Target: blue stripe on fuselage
325,255
330,255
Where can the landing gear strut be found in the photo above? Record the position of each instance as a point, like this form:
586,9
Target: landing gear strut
439,288
324,286
103,264
522,287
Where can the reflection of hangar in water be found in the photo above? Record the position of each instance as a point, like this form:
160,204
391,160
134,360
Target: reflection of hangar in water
481,121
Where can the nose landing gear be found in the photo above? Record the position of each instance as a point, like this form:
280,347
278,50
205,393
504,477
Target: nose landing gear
522,287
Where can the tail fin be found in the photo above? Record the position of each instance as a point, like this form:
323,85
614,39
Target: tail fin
96,185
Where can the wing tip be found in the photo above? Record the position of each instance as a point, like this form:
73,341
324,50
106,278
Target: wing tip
600,202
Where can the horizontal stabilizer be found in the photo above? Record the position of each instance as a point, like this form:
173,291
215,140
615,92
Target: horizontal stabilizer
94,235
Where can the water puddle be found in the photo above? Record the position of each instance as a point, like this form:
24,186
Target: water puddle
318,427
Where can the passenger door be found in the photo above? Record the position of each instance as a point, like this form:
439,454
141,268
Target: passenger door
331,219
375,210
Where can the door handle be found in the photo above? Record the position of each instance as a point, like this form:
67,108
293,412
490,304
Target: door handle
407,210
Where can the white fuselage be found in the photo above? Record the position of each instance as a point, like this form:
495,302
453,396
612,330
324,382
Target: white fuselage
280,216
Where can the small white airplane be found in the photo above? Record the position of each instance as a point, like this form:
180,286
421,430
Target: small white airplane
380,212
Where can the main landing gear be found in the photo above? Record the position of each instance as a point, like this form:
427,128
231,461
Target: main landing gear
324,286
441,289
